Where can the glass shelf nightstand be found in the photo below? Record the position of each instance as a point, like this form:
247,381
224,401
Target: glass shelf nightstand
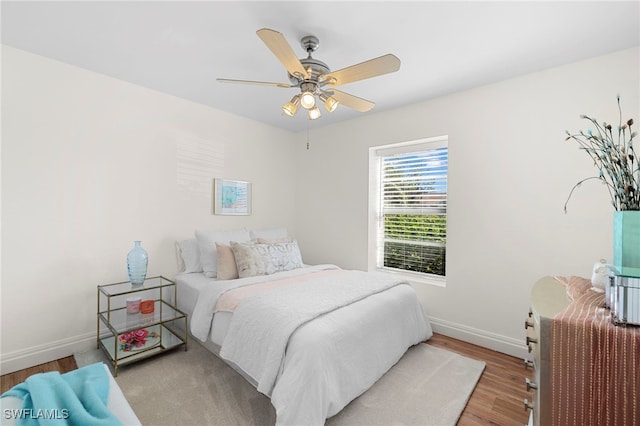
156,330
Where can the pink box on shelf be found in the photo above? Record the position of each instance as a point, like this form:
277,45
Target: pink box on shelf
133,305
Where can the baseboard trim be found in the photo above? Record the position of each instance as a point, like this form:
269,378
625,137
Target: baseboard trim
36,355
496,342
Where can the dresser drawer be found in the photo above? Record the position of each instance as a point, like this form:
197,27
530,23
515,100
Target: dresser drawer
548,298
531,383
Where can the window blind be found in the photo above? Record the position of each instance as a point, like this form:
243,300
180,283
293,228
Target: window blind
413,208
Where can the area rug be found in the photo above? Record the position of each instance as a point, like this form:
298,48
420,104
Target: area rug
428,386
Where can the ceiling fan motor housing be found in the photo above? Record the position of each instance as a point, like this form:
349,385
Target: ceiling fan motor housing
310,43
315,68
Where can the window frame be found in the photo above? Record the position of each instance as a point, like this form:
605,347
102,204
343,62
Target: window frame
376,220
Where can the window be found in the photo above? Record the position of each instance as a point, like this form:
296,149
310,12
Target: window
408,218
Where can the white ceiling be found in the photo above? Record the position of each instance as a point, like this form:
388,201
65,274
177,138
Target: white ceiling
180,48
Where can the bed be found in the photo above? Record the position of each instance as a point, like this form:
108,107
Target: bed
310,337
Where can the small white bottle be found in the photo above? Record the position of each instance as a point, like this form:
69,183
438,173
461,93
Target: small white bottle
600,276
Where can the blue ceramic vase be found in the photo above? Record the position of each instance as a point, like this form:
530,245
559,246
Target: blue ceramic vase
137,263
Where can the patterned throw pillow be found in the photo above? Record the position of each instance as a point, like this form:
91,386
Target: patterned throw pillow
266,259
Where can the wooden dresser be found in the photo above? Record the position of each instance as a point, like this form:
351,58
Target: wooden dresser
548,298
586,370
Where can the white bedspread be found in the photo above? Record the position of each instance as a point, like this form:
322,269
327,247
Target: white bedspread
206,303
261,326
312,368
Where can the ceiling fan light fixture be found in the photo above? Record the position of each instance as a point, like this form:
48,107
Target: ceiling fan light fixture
291,107
329,103
314,113
310,76
307,100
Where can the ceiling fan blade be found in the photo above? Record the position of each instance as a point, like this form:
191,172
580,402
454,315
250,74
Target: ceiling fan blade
260,83
276,42
371,68
352,101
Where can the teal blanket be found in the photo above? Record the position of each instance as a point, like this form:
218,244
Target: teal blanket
78,397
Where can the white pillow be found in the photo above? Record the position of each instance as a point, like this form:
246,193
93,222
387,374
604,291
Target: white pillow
188,256
207,240
265,259
269,234
272,241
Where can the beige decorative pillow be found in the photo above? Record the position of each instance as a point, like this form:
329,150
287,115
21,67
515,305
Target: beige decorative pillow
265,259
227,269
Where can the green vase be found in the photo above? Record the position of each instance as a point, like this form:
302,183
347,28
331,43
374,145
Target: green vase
626,242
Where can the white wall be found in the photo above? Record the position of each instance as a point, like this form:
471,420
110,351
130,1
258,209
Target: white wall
510,172
91,163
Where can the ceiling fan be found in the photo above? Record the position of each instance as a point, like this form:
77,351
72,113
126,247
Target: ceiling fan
314,78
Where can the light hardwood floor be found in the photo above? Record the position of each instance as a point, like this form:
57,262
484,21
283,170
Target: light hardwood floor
63,365
496,400
500,392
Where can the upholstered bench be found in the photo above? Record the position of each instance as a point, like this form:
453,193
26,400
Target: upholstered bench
116,404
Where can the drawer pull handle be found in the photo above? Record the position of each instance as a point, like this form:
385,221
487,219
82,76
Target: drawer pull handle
530,313
527,363
531,385
531,340
527,324
527,405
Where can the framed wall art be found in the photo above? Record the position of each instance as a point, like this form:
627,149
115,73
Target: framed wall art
231,197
